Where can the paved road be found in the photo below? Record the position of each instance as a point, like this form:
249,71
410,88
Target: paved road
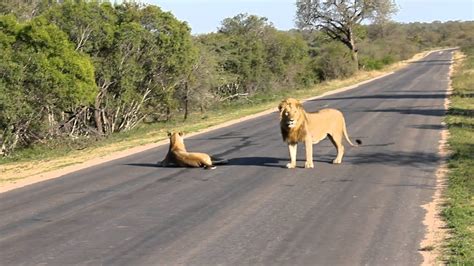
252,211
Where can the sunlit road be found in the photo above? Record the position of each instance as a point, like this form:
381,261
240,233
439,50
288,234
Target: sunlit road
252,211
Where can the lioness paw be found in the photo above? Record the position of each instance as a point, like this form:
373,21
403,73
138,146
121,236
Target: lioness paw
290,165
309,165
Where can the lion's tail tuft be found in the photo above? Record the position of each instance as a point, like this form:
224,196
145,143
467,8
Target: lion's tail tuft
358,141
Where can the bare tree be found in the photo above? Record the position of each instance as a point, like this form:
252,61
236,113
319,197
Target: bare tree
339,18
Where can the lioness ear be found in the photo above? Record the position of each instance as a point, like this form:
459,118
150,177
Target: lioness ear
169,133
181,133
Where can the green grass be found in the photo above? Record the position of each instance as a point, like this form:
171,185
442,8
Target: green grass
459,212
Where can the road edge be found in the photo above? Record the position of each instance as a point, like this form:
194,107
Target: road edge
431,246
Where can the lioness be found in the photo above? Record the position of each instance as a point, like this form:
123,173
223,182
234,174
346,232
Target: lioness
299,126
178,155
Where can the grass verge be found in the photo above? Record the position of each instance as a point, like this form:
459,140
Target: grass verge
53,156
459,212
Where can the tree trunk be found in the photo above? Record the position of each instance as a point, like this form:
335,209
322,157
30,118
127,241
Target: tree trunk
97,107
97,114
355,57
186,101
168,113
353,48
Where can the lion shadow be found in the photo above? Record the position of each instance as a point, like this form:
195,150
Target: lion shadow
256,161
269,161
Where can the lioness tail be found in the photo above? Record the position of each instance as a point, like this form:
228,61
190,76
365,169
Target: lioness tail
358,141
219,161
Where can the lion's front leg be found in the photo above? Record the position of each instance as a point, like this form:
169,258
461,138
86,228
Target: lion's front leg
166,161
292,149
309,152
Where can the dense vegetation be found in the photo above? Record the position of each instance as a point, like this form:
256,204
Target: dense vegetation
85,69
459,212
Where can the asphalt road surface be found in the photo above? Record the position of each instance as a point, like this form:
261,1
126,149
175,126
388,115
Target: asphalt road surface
253,210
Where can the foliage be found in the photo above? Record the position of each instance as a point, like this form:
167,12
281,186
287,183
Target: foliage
252,57
43,79
25,10
333,61
141,55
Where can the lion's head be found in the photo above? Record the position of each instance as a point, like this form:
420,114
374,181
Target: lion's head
290,113
292,120
176,140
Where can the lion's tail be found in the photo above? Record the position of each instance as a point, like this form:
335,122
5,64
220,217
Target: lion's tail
358,141
218,161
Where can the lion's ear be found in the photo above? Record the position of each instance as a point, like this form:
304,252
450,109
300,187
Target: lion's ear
298,104
169,133
282,105
181,133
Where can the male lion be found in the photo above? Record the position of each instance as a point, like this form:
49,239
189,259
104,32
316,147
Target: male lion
178,155
299,126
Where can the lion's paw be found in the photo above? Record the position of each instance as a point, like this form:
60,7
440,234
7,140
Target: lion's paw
290,166
336,161
309,165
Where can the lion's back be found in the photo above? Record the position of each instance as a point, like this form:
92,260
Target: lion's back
325,121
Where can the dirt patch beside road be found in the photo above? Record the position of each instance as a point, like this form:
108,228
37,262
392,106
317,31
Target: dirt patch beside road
436,231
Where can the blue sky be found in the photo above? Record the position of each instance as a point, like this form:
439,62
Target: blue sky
205,16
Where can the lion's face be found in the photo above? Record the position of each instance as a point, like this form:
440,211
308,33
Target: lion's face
290,112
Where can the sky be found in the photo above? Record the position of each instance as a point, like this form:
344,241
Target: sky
205,16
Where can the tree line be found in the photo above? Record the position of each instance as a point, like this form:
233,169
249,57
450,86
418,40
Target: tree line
75,69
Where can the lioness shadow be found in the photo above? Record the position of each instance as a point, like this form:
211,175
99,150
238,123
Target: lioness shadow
158,165
144,164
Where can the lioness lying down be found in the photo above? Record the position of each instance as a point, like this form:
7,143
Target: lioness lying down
299,126
178,156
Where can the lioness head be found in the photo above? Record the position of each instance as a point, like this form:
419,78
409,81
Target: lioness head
176,139
290,113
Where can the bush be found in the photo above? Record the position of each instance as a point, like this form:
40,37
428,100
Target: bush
333,61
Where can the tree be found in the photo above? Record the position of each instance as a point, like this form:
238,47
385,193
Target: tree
339,19
197,90
43,80
249,56
91,27
245,36
169,58
287,57
141,55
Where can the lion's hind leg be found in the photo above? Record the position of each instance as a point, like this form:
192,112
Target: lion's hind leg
208,165
206,161
336,140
